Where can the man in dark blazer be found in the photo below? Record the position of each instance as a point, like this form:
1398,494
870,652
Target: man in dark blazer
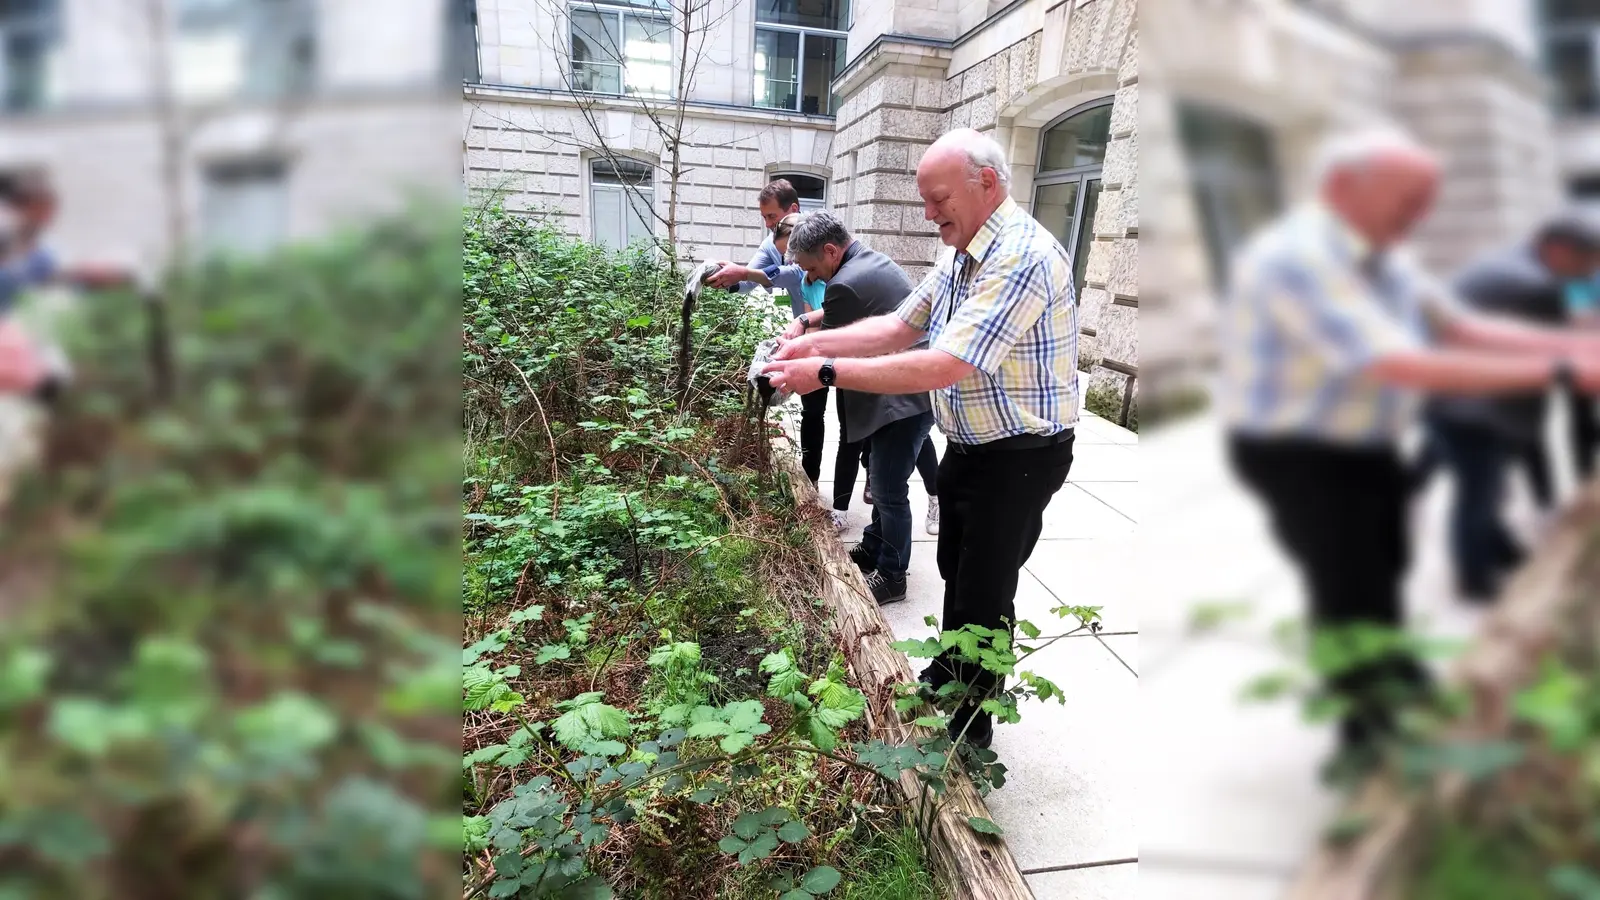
863,283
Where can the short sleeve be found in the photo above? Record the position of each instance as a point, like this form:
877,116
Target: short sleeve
916,309
1003,303
1335,316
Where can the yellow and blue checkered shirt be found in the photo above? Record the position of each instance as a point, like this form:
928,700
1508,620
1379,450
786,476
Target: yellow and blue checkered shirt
1006,306
1309,308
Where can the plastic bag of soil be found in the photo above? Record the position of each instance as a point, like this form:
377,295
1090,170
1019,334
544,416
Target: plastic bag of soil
763,356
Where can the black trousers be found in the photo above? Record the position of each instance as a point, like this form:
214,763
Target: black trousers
1585,433
813,431
992,512
1340,514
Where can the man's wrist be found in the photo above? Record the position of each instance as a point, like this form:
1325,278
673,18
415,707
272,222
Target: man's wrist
1563,373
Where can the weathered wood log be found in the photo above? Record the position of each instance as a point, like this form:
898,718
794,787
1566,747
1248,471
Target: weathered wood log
972,866
1525,623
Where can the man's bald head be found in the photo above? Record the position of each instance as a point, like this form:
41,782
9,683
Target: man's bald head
1380,182
963,178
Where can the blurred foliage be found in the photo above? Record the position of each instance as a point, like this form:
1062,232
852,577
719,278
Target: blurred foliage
1527,824
228,660
655,707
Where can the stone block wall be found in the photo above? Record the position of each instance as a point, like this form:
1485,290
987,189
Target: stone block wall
1482,109
534,150
891,108
900,98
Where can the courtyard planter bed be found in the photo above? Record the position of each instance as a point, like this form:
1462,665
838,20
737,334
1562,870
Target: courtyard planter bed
674,684
1501,800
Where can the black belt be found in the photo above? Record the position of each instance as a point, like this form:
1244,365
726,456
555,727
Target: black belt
1015,442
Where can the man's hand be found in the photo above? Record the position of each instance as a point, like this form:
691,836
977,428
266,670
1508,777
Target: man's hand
798,376
803,347
796,328
21,368
729,275
1586,373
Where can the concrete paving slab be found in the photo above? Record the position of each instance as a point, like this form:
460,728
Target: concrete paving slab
1074,513
1126,497
1103,465
1072,789
1117,882
1088,573
1125,647
1243,789
1164,882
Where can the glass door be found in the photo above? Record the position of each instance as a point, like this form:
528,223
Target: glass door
1067,208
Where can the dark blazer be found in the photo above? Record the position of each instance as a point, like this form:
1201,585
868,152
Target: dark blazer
868,284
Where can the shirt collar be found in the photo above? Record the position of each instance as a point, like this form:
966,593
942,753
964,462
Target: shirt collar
1346,239
990,229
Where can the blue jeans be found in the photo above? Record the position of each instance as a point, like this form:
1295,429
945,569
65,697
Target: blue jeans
893,458
1481,546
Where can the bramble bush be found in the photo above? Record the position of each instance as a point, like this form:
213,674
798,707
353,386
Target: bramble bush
228,660
655,706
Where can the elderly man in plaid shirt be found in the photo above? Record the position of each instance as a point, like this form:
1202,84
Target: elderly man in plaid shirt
1001,322
1331,337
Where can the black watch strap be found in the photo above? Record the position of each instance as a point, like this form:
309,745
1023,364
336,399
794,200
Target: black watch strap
1566,375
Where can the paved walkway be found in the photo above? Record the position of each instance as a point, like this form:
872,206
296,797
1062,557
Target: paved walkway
1232,808
1069,806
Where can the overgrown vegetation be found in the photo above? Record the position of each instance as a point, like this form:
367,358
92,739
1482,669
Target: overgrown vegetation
227,660
655,705
1529,822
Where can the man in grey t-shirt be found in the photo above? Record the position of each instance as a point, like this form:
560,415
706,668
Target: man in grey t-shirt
1478,437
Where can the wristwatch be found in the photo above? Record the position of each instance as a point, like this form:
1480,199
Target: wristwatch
1566,375
826,373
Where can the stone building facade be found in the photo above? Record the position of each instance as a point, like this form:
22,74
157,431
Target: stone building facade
1239,94
293,120
1056,83
1057,86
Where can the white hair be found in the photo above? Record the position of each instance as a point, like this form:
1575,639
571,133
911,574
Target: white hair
982,152
1358,149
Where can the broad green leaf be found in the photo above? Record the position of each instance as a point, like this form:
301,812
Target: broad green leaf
552,652
821,880
760,848
747,826
983,826
793,832
786,679
589,722
592,888
531,614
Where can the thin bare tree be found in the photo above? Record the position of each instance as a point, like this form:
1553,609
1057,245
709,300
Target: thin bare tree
690,24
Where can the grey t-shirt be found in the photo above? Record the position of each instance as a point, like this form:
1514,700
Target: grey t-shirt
1515,284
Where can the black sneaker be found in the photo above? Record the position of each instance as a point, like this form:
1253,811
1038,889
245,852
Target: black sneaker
866,562
980,733
884,590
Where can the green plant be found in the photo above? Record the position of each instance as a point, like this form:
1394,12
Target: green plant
240,509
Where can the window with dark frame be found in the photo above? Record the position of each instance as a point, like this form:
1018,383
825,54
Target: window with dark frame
1570,33
1233,176
1067,183
621,195
799,51
30,32
621,50
245,205
277,41
461,36
813,191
